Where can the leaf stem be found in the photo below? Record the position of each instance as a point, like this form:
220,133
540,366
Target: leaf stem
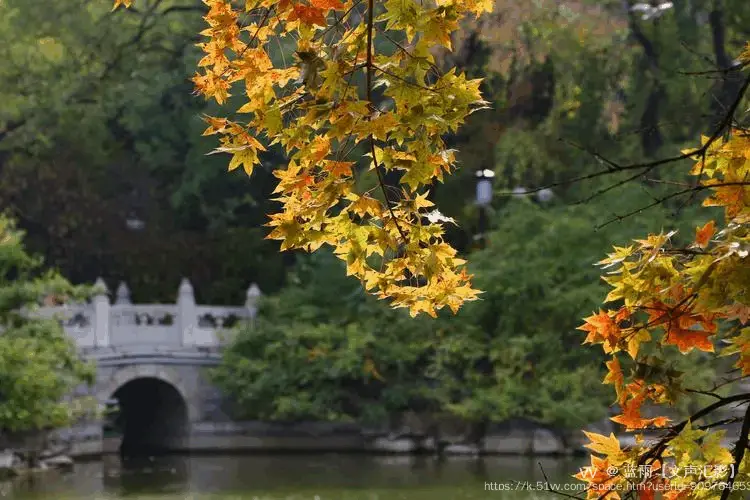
369,69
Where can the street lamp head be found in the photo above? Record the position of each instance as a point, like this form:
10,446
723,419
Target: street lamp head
134,223
484,187
545,195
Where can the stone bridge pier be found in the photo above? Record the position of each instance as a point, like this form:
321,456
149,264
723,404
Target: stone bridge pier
154,402
152,370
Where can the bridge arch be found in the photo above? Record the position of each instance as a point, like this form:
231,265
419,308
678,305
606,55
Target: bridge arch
155,407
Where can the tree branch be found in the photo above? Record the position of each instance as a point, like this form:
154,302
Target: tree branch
739,453
370,67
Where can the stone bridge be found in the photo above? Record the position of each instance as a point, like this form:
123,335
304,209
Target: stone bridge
151,361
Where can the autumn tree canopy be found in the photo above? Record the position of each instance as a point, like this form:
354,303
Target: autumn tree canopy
343,111
693,297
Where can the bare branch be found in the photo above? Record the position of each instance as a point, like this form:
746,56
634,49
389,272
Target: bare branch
739,453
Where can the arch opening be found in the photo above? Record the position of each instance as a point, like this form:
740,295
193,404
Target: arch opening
151,417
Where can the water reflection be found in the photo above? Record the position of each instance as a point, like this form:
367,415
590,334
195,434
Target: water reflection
145,474
328,476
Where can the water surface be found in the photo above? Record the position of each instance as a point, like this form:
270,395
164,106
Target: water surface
300,477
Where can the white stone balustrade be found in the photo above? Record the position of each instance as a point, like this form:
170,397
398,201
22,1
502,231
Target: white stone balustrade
185,324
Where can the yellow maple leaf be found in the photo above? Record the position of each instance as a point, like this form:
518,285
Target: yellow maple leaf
421,201
609,446
636,339
126,3
365,205
745,55
370,369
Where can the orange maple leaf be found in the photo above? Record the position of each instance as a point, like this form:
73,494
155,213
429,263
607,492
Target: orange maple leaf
365,205
646,493
599,473
631,415
216,125
648,489
686,340
320,148
730,197
339,168
308,15
599,478
622,315
601,328
685,330
704,234
615,376
327,4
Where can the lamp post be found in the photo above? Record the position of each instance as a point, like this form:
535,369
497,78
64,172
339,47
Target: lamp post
251,302
134,223
483,200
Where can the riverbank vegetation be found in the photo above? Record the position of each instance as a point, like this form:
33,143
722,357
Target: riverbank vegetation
39,365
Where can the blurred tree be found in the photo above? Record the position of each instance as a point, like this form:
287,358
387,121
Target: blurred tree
99,127
322,349
39,363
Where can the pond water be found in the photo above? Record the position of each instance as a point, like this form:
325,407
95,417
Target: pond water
301,477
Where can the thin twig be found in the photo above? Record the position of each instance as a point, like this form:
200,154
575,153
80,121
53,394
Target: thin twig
645,167
338,22
656,450
739,453
546,481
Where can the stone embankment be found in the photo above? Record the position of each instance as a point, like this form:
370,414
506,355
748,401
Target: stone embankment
515,437
408,434
14,464
30,453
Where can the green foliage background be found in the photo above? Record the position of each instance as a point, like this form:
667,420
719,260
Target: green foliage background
516,353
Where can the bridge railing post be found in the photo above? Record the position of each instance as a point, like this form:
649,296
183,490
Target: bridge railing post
251,303
187,313
101,315
122,295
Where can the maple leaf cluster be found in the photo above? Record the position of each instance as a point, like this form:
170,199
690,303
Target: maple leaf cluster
667,297
335,130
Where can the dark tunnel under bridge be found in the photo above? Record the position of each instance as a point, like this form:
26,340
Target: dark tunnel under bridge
150,415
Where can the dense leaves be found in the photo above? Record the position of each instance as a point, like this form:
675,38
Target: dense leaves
670,297
39,364
322,349
323,119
